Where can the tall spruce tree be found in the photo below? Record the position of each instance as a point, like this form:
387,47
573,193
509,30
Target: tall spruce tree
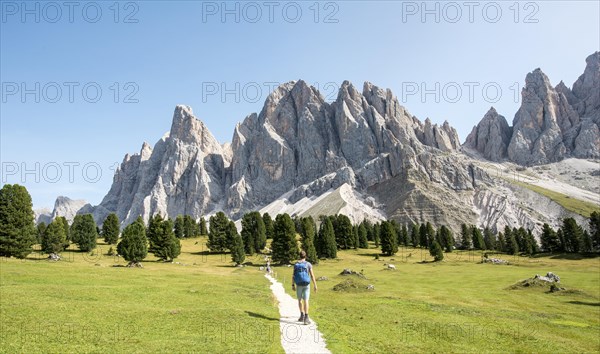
238,253
217,236
489,239
253,232
478,242
133,246
362,236
389,239
17,229
404,238
415,235
435,250
165,245
84,232
377,234
111,229
501,244
447,238
466,237
344,235
41,229
67,228
179,227
268,226
284,245
189,227
203,230
573,234
308,239
326,245
54,238
587,244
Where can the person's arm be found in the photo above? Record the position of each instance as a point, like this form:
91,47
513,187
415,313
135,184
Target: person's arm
293,284
312,276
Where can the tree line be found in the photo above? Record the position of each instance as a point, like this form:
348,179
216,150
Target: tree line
288,234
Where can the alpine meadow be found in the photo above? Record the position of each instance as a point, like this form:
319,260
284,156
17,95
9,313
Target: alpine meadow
417,177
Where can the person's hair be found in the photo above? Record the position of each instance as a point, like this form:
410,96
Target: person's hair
302,254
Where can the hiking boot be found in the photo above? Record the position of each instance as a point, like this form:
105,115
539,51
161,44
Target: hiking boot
301,319
306,320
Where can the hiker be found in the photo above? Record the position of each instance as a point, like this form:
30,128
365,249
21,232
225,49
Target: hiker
269,267
303,273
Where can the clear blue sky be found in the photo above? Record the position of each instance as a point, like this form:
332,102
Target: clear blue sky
161,54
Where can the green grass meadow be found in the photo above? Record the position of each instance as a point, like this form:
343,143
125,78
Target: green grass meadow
202,304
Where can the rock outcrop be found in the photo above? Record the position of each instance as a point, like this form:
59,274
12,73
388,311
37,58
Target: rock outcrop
299,146
553,123
490,137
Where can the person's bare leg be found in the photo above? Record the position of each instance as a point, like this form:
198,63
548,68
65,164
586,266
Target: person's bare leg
300,307
306,307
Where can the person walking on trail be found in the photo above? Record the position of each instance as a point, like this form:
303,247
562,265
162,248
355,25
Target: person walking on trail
303,274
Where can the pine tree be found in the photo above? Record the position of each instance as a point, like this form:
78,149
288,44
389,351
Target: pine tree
133,246
326,245
66,227
478,242
507,240
595,229
253,232
17,230
501,244
435,250
362,236
231,234
54,238
548,239
587,243
284,245
525,245
179,227
512,246
355,236
561,240
238,253
369,228
531,240
203,230
573,234
111,229
268,226
447,238
217,236
41,229
377,234
164,244
415,235
489,239
389,239
189,227
430,233
423,239
404,237
308,239
466,235
344,235
84,232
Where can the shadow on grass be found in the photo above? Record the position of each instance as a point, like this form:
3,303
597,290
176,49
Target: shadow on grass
258,315
576,302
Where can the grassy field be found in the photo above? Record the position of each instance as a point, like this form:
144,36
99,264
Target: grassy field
203,304
575,205
93,304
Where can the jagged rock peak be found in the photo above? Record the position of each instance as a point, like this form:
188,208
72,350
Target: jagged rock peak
189,129
490,137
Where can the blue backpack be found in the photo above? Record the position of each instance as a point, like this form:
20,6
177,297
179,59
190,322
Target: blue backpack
301,275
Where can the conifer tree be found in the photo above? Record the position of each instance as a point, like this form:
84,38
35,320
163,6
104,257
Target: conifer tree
466,236
389,239
362,236
326,245
435,250
308,239
17,229
217,236
268,221
284,245
54,238
238,253
133,246
84,232
111,229
179,227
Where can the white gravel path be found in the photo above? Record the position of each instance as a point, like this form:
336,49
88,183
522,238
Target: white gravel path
295,337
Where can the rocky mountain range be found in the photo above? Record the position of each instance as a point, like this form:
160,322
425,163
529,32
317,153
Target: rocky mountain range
363,154
553,123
